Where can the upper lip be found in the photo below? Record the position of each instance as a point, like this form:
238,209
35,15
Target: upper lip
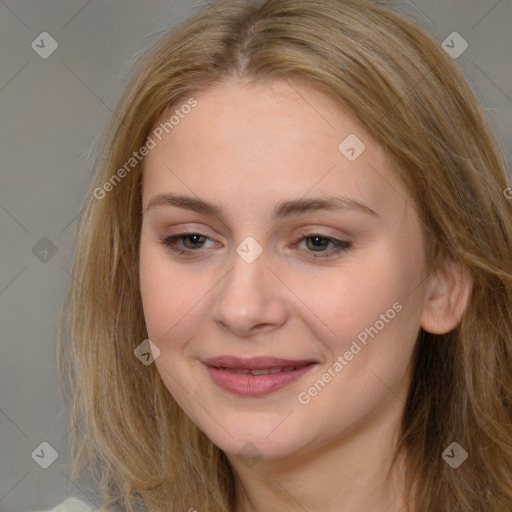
254,363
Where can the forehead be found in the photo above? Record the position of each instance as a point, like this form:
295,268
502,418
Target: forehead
273,140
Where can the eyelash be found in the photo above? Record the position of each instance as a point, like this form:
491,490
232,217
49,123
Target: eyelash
339,245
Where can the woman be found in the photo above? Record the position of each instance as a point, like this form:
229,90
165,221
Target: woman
221,357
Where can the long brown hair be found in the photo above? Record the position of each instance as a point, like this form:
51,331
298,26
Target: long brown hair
126,428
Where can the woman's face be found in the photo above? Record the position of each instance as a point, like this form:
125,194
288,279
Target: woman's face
275,338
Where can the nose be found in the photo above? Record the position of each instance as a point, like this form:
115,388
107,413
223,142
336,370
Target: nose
250,298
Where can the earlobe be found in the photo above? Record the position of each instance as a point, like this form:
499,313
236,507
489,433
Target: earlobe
448,295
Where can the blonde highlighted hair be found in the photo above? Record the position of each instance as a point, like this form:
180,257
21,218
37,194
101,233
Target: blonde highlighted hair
126,429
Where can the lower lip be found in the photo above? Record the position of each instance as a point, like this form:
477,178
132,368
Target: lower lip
255,385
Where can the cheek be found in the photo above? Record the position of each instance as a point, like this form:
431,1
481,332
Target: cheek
168,295
350,298
378,298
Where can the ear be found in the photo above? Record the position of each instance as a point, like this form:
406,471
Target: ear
448,292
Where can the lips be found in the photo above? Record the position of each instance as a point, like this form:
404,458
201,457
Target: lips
257,375
255,363
263,371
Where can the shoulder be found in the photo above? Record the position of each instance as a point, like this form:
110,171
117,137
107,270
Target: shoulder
71,504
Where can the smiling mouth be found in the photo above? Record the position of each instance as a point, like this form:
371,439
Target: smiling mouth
262,371
256,376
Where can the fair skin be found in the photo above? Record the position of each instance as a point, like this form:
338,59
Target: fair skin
247,147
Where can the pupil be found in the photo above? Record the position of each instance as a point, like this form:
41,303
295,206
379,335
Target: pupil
194,238
317,239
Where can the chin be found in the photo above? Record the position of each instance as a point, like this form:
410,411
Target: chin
259,441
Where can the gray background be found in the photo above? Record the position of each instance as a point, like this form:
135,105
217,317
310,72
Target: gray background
52,112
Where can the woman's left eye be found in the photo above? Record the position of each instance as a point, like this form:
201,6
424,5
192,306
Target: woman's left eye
319,241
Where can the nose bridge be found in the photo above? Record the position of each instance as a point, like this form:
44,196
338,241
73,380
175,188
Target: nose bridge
246,297
243,293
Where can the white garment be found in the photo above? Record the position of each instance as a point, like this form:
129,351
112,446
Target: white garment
72,504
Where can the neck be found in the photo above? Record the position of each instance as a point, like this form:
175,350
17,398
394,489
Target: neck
351,474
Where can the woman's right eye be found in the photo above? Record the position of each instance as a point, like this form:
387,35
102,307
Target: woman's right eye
196,240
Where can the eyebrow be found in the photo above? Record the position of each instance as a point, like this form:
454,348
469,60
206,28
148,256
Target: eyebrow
281,210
